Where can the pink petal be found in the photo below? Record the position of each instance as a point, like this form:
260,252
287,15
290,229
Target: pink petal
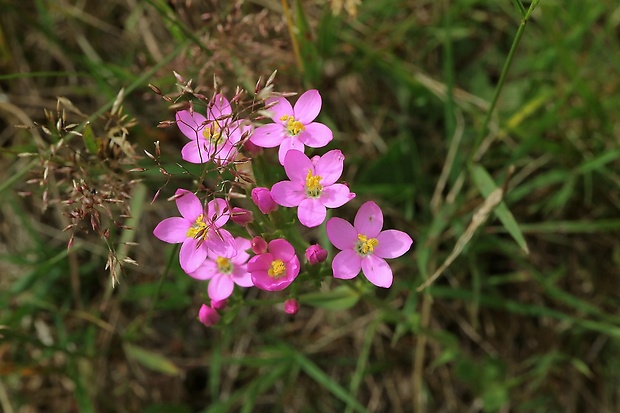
260,262
346,264
289,144
234,131
220,287
172,230
341,233
221,107
241,276
308,106
281,108
243,245
206,271
190,125
296,164
191,255
329,166
316,135
288,194
377,271
369,220
221,242
218,212
336,195
281,249
268,136
188,205
392,244
196,152
311,212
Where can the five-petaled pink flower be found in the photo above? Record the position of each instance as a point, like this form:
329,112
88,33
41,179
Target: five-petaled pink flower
225,271
199,231
364,246
214,137
277,268
312,186
294,127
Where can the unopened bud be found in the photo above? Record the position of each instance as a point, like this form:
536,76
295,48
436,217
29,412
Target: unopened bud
218,304
208,316
263,200
259,245
315,254
241,216
291,306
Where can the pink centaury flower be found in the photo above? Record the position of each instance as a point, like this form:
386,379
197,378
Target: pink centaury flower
364,246
214,137
294,127
311,187
277,268
197,230
225,271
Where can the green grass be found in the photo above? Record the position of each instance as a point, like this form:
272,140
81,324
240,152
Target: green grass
487,130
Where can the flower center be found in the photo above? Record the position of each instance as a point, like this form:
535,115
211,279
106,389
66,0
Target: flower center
213,134
313,185
277,269
198,230
364,245
293,127
224,265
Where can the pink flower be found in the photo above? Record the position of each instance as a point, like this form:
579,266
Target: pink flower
294,127
198,230
208,316
315,254
291,306
263,200
364,246
311,187
277,268
225,271
214,137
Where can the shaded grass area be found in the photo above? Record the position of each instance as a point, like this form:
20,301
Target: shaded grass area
523,320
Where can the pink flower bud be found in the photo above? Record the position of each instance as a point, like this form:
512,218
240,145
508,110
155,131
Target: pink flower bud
219,304
259,245
252,149
263,200
315,254
291,306
208,316
241,216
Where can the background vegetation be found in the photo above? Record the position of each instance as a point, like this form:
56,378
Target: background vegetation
524,319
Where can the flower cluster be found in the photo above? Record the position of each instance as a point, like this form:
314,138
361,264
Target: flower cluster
267,257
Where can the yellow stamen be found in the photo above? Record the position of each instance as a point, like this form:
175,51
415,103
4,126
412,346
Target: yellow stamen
365,245
213,134
198,230
313,185
224,265
277,269
293,127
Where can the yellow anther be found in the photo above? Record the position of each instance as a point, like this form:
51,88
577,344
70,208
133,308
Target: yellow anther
293,127
313,184
198,230
366,245
213,134
277,269
224,264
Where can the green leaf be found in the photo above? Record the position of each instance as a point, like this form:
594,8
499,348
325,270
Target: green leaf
151,360
486,185
340,298
89,139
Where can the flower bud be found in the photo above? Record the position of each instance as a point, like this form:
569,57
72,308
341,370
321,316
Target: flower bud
291,306
315,254
252,148
241,216
263,200
208,316
259,245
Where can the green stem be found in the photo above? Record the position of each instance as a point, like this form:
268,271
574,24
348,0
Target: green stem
502,79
